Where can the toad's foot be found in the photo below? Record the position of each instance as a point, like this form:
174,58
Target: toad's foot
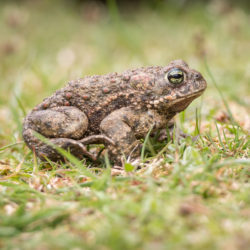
74,147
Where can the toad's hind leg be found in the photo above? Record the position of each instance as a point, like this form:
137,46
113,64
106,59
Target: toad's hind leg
62,125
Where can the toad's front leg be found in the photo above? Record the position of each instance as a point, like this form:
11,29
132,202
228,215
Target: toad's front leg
62,125
125,126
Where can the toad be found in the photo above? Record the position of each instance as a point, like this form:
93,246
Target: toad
116,110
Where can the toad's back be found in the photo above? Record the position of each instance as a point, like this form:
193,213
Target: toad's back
99,95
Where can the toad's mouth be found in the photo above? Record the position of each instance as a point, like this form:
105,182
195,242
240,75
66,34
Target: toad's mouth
181,103
193,95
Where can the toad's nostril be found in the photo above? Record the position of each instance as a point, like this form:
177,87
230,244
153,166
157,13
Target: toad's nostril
197,76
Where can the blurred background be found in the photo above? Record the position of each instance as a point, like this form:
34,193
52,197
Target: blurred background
44,44
190,195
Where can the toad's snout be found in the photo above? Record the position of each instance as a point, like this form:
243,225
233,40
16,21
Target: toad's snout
199,83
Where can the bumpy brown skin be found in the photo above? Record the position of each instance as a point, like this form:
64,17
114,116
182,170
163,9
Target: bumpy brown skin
114,109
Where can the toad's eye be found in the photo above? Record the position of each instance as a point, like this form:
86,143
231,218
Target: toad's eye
175,76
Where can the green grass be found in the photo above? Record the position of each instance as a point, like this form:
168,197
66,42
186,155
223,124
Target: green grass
186,195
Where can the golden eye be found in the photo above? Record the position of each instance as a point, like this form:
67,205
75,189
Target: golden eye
175,76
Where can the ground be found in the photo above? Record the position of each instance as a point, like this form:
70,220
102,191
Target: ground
185,194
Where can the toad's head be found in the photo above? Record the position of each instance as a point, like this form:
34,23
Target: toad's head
176,86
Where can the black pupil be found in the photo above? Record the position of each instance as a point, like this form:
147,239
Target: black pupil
176,75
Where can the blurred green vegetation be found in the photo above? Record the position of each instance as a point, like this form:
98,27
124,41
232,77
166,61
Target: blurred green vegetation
191,195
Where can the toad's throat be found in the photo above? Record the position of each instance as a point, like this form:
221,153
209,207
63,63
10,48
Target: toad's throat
182,103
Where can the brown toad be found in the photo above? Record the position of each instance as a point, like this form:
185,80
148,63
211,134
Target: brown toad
114,109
